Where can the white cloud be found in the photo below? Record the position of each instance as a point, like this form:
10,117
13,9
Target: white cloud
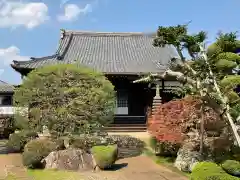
16,13
73,11
9,54
1,72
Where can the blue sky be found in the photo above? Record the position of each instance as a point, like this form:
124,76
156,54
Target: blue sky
31,28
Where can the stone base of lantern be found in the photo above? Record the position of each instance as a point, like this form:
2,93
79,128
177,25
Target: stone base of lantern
157,101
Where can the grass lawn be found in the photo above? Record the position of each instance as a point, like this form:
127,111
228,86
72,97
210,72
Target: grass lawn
53,175
47,175
21,173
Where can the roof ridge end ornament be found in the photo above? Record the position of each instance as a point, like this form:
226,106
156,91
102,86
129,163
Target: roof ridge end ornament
63,33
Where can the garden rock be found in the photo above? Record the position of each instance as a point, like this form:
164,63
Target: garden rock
186,160
70,159
187,157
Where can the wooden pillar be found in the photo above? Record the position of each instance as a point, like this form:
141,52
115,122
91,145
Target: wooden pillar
157,100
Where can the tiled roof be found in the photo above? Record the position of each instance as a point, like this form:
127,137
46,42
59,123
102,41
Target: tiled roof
120,53
5,87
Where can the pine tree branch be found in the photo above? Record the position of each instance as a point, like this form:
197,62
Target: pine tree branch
223,99
179,76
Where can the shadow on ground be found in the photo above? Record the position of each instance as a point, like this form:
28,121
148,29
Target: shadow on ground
117,167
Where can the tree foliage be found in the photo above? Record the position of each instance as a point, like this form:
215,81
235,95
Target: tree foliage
66,99
173,121
224,62
200,74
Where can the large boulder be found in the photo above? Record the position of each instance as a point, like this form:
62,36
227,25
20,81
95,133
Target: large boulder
188,156
187,159
215,149
70,159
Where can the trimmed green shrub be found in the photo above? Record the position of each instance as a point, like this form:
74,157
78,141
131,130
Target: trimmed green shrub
105,156
210,171
17,141
232,167
35,151
68,99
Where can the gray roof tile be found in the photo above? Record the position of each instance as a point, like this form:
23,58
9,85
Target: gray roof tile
5,87
126,53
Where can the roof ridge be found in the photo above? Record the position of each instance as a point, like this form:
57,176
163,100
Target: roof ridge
96,33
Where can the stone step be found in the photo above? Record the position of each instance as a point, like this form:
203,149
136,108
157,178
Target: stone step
126,128
127,125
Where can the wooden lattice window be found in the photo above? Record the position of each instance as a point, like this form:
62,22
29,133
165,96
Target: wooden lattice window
122,102
122,99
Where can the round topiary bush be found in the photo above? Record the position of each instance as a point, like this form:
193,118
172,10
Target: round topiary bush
210,171
232,167
105,156
213,49
35,151
17,141
68,99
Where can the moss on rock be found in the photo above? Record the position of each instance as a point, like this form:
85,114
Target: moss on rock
105,156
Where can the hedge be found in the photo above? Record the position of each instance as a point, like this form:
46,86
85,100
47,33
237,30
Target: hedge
17,141
35,151
232,167
210,171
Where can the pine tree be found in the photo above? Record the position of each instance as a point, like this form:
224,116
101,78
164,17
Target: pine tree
213,75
